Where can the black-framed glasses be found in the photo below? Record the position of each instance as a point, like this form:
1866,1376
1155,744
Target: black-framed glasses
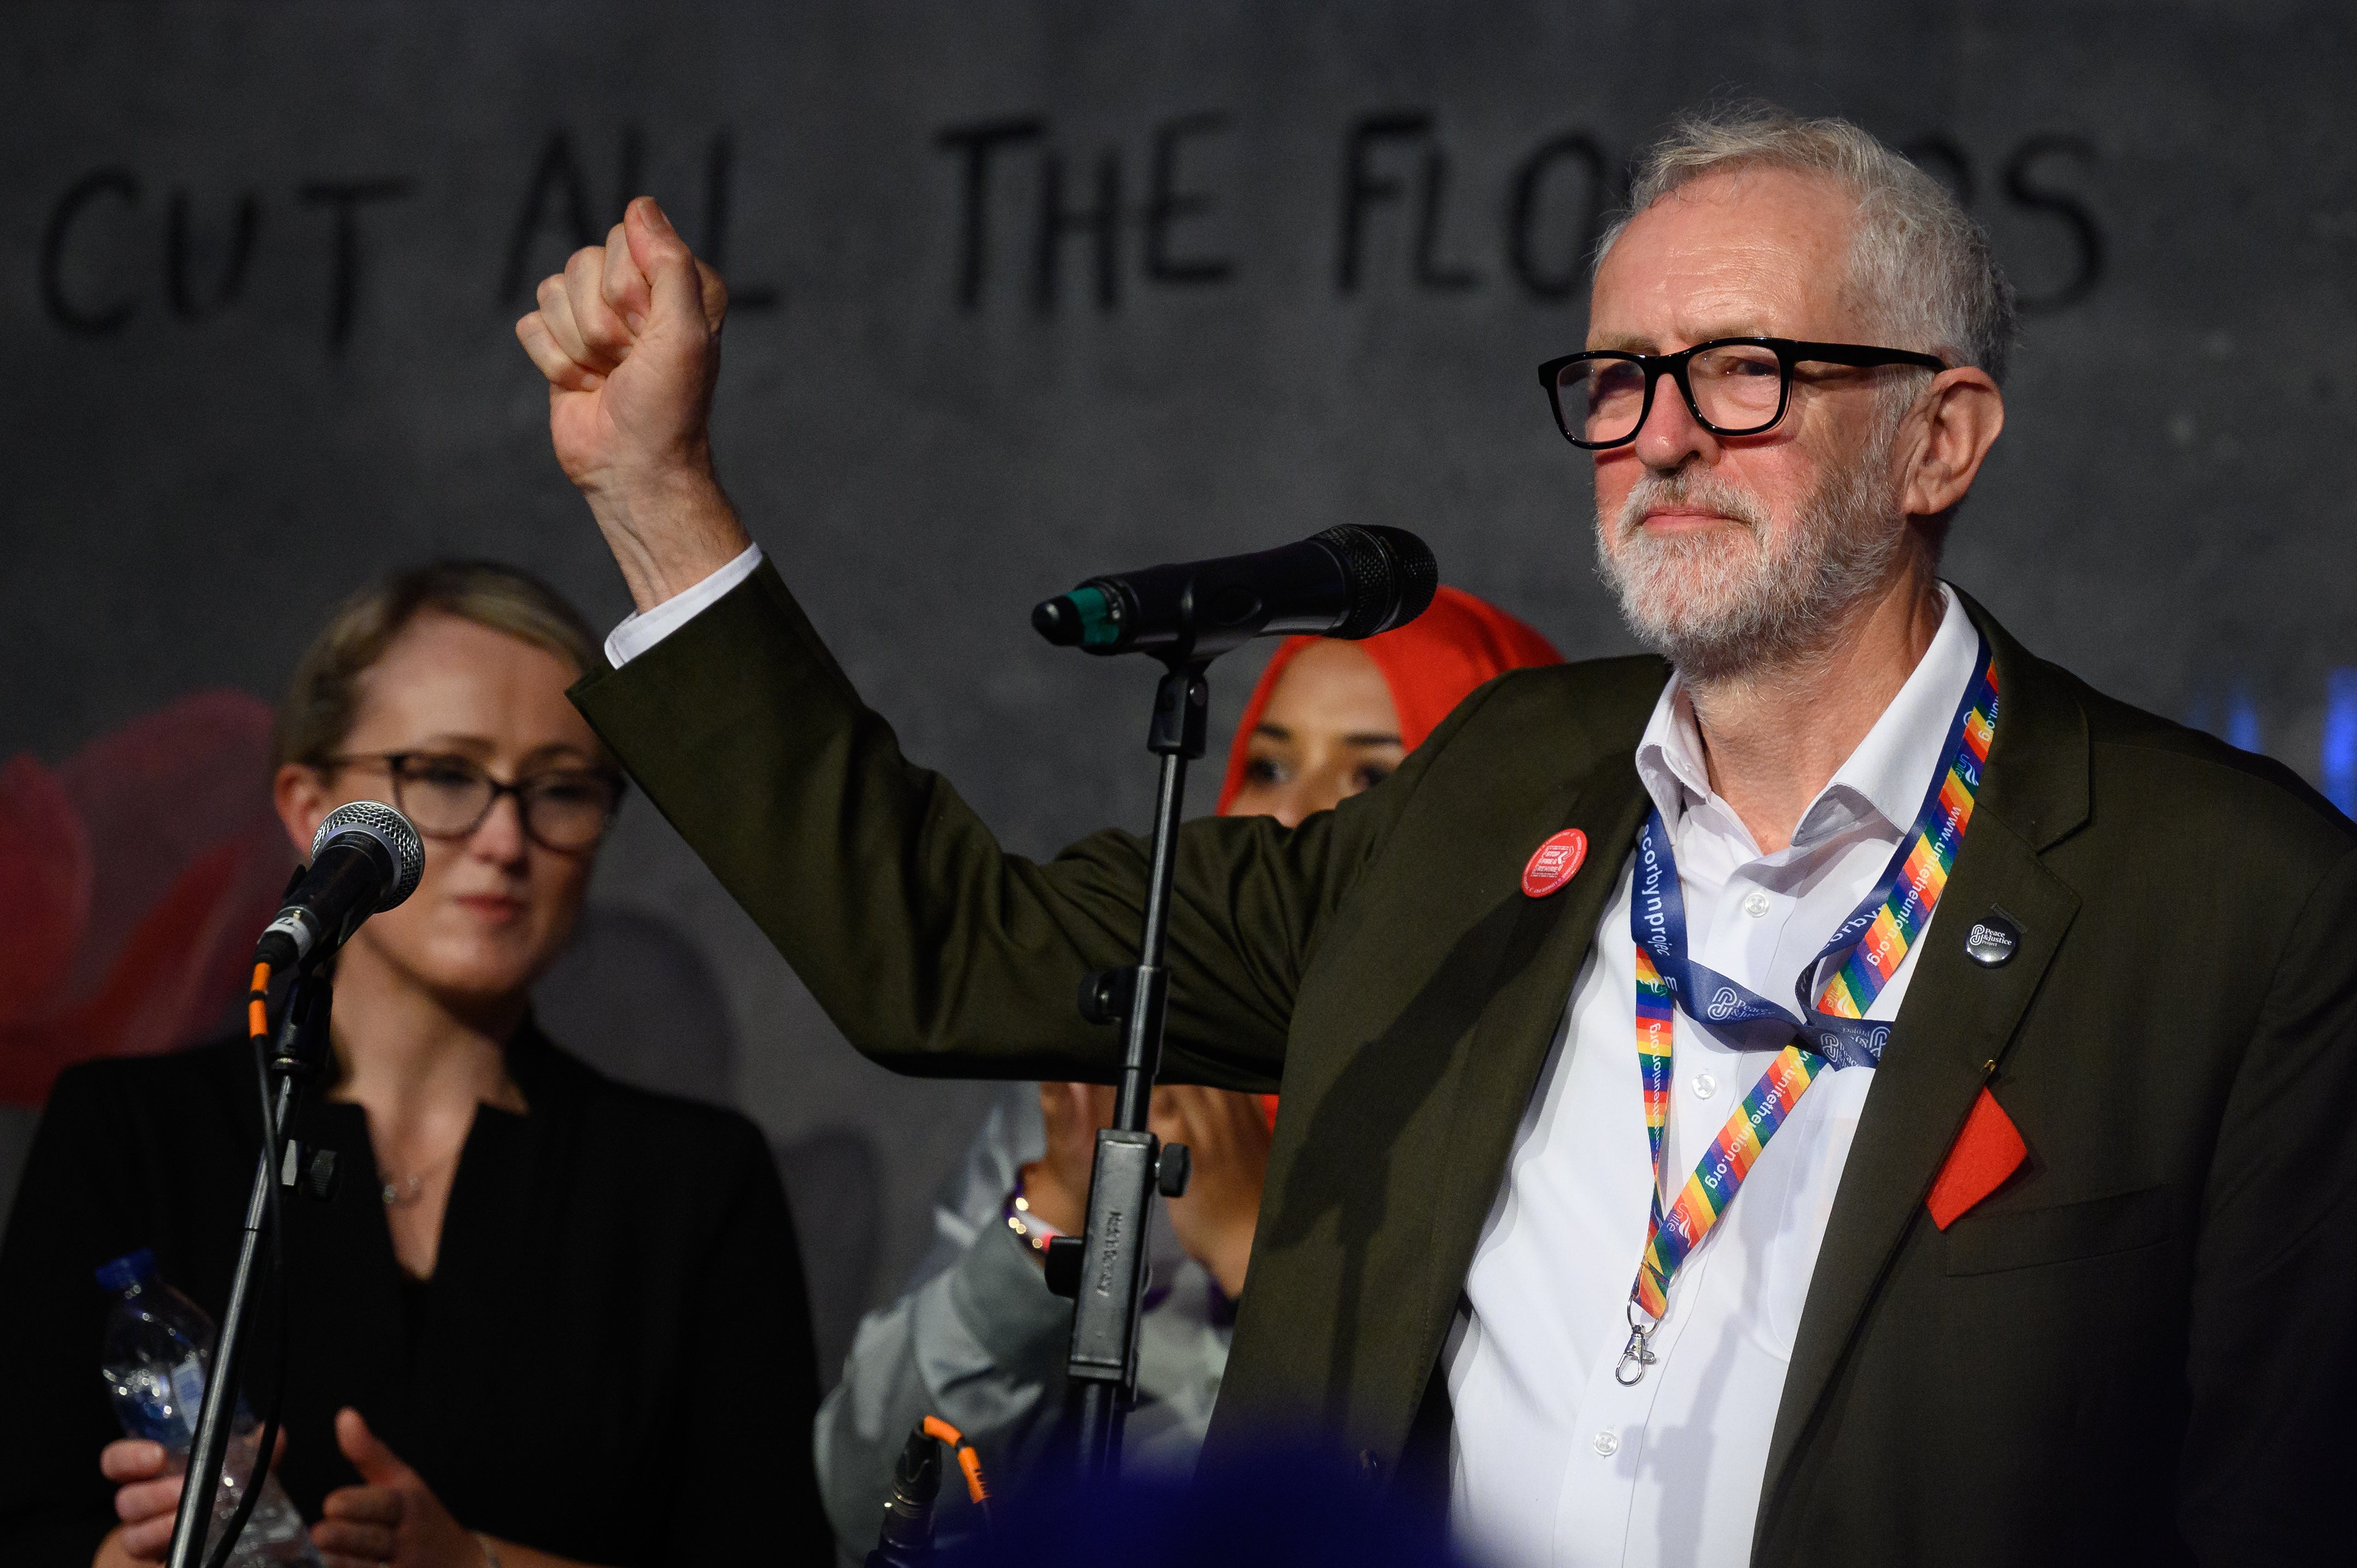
565,809
1733,386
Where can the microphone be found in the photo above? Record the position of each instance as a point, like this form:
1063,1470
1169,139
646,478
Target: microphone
365,858
1352,581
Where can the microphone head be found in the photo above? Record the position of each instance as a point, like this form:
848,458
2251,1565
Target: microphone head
1057,620
1390,573
1089,617
391,831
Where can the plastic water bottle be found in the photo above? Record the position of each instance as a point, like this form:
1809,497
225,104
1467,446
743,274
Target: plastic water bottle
159,1347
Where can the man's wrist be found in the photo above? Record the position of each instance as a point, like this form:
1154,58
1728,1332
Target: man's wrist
668,533
642,630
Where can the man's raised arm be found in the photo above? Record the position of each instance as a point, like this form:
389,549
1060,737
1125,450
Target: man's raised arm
933,949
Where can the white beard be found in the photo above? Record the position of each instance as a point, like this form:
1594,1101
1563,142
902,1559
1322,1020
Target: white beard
1742,600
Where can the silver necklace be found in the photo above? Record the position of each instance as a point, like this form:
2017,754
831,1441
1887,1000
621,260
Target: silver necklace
406,1192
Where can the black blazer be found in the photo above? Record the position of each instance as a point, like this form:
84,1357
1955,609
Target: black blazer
2143,1349
611,1362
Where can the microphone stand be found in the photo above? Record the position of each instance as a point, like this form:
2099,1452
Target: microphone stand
1349,581
299,1057
1104,1270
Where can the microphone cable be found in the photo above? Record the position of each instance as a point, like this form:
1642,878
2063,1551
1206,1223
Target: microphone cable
257,1017
905,1538
969,1462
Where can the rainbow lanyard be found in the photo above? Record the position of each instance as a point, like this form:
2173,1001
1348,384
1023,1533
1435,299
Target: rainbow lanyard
1865,951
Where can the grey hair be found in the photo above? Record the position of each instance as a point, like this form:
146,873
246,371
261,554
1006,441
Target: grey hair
1918,266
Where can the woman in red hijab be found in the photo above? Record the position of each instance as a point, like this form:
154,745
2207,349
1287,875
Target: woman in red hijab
1329,718
976,1339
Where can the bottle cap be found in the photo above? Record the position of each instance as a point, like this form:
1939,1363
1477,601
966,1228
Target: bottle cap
130,1270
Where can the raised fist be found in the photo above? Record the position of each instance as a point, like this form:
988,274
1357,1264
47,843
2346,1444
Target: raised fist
628,336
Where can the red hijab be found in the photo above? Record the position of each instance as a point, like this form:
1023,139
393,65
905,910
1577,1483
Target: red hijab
1431,664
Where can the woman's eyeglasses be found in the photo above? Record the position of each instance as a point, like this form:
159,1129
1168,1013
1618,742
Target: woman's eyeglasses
566,810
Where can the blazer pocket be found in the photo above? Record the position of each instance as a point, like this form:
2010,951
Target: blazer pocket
2027,1237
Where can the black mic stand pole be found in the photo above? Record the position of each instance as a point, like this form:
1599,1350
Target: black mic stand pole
1105,1267
300,1055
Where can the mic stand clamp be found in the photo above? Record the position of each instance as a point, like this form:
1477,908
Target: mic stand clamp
1104,1270
299,1058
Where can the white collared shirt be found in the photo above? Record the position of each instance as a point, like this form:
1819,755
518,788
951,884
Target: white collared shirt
1554,1462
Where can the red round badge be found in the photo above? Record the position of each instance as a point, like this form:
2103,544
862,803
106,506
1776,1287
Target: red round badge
1556,862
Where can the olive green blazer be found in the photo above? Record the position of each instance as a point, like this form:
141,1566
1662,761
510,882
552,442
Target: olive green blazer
2140,1346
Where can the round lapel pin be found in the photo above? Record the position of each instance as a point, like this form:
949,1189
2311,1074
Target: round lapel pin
1556,862
1993,940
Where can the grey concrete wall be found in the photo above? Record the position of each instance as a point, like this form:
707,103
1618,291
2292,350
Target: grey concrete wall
1339,236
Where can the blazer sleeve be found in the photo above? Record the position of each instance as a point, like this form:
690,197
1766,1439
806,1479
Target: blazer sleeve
2272,1369
934,951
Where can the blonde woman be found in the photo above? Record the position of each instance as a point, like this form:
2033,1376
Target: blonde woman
547,1319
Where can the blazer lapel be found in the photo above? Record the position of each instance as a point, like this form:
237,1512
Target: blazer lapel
1952,1031
1439,1079
1540,960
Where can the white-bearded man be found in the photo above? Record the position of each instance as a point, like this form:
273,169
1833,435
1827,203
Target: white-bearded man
1710,1199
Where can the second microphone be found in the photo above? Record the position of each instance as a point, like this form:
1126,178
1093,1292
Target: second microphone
1350,581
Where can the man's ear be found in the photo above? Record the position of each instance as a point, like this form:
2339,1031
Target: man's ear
1960,419
300,795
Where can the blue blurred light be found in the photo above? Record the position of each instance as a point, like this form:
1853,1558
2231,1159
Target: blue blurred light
2338,763
2243,723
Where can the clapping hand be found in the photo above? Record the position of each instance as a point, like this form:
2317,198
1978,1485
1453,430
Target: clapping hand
1227,1138
393,1517
147,1500
1057,1186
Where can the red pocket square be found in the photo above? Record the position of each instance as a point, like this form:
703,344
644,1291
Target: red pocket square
1987,1150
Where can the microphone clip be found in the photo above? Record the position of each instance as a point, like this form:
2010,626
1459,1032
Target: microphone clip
1182,709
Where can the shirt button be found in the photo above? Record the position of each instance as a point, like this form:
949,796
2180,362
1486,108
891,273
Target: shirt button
1607,1444
1704,1086
1756,904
